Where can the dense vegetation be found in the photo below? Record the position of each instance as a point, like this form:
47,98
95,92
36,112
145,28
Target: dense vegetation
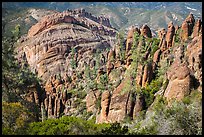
16,80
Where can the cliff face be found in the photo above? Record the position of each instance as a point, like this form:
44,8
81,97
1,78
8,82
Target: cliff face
48,49
48,44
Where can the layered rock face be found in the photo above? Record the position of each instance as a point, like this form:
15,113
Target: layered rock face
57,47
48,49
48,44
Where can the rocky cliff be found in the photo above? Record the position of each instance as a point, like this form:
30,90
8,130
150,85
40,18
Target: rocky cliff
110,96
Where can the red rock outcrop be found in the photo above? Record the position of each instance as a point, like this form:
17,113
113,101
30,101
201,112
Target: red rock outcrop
118,104
91,101
130,36
162,36
147,74
146,32
105,101
194,55
197,28
179,77
47,48
187,27
170,34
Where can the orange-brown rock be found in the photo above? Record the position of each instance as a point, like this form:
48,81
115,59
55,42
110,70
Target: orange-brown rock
50,107
91,100
156,56
197,28
117,64
176,28
110,66
49,21
139,75
105,101
129,60
139,105
119,103
180,80
162,33
147,75
47,47
191,21
46,103
170,34
111,55
178,89
146,32
130,36
162,36
185,30
194,55
187,27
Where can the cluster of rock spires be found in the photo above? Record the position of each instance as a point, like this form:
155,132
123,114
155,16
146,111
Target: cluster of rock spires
47,49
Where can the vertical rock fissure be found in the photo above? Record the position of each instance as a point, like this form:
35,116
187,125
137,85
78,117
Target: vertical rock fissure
126,104
109,100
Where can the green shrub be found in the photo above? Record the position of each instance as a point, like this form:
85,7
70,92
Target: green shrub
15,118
67,125
149,91
114,129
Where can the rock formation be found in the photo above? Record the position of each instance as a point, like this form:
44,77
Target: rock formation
60,47
146,32
187,27
170,34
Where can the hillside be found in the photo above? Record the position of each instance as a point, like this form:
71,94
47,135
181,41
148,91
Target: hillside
72,72
121,14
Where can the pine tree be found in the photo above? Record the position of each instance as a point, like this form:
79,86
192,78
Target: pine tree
73,61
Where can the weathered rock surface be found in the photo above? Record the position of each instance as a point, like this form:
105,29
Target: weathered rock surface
194,54
47,47
91,100
146,32
196,28
187,27
48,51
119,104
147,74
130,37
105,102
170,34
